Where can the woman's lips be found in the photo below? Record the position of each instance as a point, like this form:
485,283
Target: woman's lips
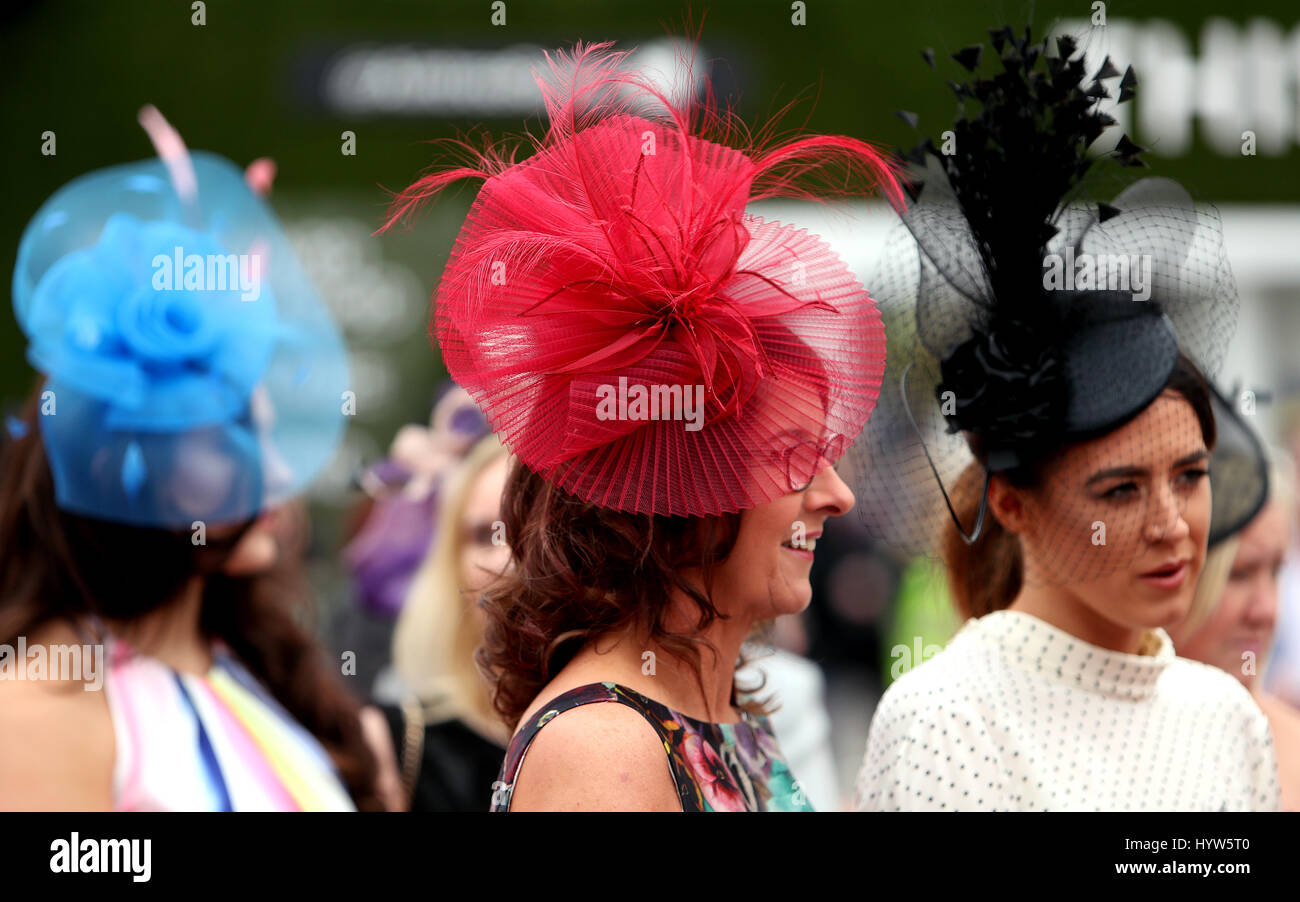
1167,577
1255,644
806,552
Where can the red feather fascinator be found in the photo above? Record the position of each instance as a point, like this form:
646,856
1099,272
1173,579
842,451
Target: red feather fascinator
630,332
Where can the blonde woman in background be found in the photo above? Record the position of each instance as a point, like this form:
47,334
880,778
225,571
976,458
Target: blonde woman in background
449,740
1234,612
1282,679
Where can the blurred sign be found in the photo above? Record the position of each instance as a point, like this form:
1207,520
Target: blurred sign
1241,91
403,80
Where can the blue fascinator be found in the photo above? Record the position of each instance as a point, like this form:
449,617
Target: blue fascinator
192,372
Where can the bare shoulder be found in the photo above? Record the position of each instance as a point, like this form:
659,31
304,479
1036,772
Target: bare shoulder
63,756
1284,721
595,757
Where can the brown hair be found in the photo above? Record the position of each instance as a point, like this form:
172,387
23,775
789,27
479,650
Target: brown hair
55,564
986,576
580,571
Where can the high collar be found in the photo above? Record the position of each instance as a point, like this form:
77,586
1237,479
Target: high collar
1047,652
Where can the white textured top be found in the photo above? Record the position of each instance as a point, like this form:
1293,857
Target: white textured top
1018,715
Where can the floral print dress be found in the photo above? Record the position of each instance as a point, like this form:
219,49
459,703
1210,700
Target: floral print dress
716,766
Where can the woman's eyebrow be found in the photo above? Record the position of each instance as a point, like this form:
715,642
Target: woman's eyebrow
1117,472
1134,472
1194,457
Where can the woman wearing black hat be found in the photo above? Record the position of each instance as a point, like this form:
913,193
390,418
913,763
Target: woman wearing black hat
1061,346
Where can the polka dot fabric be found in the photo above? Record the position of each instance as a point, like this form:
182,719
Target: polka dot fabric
1017,715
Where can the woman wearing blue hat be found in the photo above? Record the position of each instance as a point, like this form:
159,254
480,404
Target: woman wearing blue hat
192,383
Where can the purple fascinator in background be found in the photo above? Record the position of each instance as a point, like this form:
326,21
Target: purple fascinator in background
386,552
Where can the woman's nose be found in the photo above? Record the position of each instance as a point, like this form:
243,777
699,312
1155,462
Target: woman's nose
1167,523
829,493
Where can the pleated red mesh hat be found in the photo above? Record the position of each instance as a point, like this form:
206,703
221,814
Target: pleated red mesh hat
630,332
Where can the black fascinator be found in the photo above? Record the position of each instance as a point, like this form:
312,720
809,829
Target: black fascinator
1238,472
1023,313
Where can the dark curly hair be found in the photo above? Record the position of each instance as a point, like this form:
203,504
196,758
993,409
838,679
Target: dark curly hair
580,571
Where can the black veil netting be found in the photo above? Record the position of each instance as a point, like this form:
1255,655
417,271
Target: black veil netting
988,337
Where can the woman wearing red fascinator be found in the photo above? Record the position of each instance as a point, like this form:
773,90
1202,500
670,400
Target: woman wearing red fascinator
676,379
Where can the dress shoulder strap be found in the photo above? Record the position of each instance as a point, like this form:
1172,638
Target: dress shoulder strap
591,693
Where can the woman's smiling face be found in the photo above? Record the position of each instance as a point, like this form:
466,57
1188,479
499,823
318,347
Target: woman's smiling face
1117,527
767,572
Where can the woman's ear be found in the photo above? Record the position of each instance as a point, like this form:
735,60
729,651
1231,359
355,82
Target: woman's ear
1007,503
256,552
